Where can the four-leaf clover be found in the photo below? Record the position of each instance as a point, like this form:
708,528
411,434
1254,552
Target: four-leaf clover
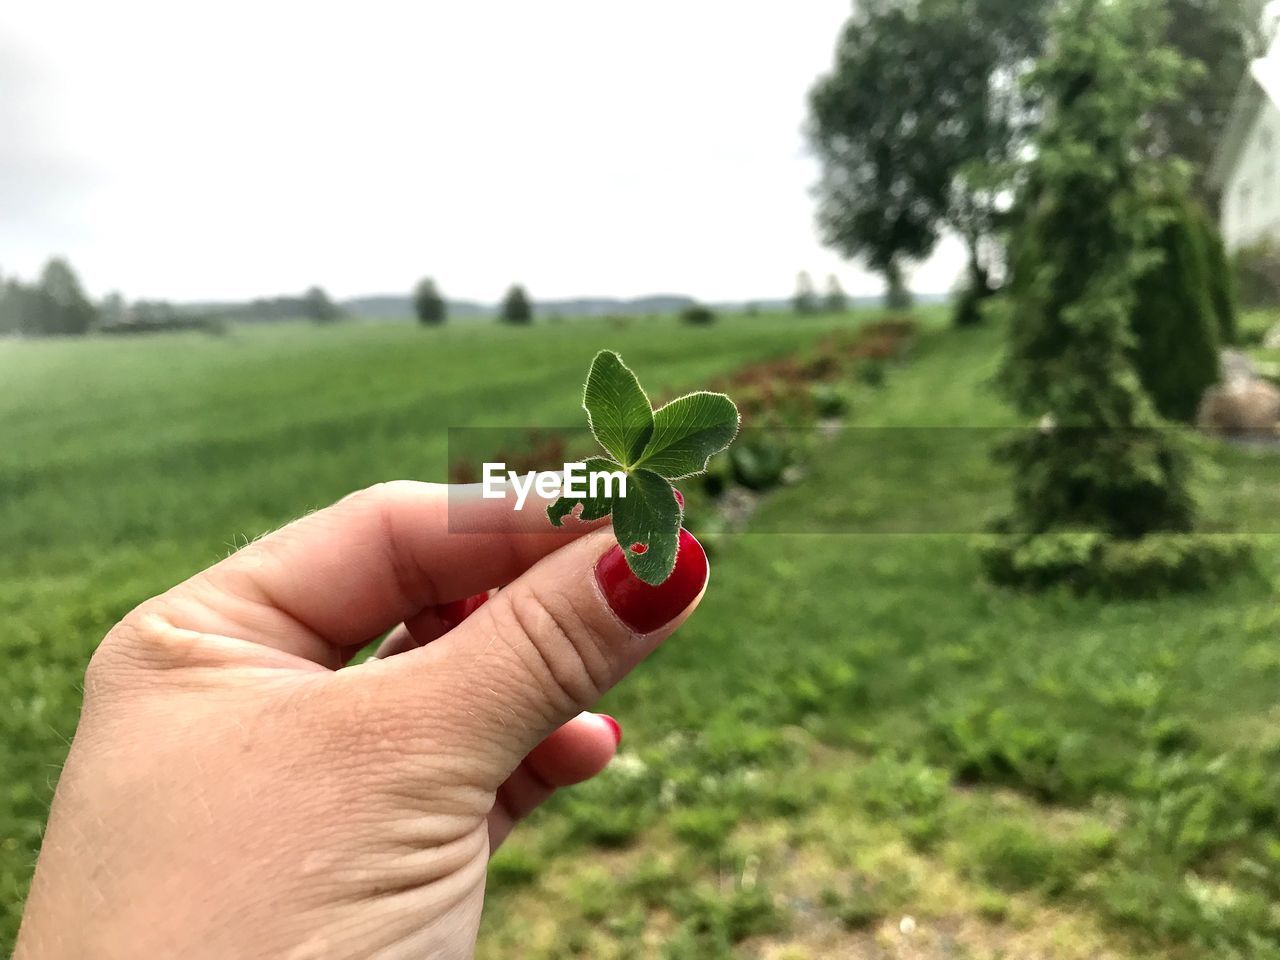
652,447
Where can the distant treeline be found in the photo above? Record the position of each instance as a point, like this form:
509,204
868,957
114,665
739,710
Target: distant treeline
56,305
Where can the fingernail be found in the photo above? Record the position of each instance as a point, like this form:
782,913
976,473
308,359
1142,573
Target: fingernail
645,608
614,726
452,614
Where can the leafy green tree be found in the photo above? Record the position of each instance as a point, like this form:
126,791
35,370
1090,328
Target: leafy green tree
836,301
1217,38
805,299
428,304
23,309
516,307
918,125
881,191
318,308
111,311
10,317
1102,471
61,306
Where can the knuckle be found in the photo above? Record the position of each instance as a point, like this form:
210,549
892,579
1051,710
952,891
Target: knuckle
557,645
381,505
148,638
131,644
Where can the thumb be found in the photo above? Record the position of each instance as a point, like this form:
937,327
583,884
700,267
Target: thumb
544,649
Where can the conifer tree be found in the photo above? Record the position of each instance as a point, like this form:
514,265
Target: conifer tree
1103,471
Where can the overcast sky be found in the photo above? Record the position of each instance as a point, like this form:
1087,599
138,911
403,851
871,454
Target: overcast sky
578,146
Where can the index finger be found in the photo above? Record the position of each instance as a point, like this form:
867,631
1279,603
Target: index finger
345,574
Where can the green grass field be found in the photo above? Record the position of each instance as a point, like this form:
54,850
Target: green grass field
854,728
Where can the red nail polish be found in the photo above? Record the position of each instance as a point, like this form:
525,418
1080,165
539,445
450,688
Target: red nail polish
614,726
452,614
645,608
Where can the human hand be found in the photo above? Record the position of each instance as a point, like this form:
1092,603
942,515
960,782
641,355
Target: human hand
231,792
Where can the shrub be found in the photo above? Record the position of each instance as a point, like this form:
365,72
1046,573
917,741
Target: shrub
1014,857
1175,318
1090,562
1222,287
719,476
871,372
986,741
760,460
828,401
698,315
907,792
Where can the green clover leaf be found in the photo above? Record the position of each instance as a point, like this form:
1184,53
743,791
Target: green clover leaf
617,409
647,524
687,433
652,449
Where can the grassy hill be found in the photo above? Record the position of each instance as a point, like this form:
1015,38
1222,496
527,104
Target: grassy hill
856,748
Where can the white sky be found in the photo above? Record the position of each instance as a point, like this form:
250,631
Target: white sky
582,147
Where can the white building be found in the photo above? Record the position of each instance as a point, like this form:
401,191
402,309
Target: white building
1247,167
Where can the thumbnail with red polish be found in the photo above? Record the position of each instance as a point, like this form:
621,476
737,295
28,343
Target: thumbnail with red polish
614,727
645,608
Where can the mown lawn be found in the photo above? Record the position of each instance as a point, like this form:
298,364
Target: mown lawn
853,731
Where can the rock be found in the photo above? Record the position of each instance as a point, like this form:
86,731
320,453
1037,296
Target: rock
1240,406
1237,367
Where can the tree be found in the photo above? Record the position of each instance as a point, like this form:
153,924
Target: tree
1217,38
918,125
1101,473
111,312
428,305
897,295
61,306
318,308
10,316
516,307
697,315
805,300
23,309
835,301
